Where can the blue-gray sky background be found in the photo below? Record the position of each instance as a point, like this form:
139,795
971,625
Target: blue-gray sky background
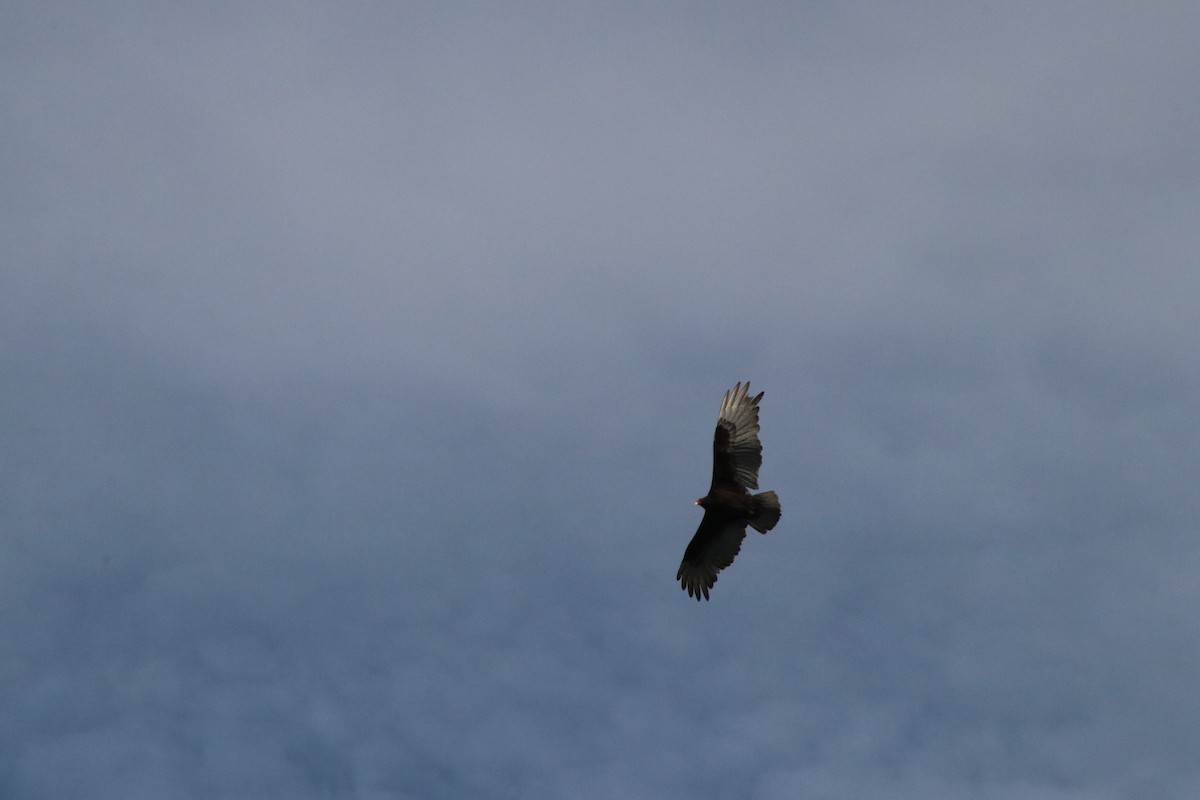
360,365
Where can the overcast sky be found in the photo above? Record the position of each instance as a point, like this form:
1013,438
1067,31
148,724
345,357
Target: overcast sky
360,364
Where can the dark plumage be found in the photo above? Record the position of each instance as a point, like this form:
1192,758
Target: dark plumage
729,507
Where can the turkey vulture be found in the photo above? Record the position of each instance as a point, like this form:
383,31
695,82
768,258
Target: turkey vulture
728,506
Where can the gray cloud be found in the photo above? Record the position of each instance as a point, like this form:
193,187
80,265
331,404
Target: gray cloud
360,365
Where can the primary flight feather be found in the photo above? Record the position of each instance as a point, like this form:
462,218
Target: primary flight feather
729,507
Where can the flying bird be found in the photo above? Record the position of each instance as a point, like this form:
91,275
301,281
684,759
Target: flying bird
729,507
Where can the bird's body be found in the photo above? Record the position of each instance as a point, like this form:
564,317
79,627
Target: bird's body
727,502
729,507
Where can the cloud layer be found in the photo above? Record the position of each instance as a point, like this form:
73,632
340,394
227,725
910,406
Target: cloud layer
361,366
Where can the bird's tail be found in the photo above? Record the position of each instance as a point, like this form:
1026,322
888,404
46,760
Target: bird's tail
766,512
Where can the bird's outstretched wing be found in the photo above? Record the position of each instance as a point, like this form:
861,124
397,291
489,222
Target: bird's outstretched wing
711,550
737,453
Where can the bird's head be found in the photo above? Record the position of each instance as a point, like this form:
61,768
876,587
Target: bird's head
700,502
